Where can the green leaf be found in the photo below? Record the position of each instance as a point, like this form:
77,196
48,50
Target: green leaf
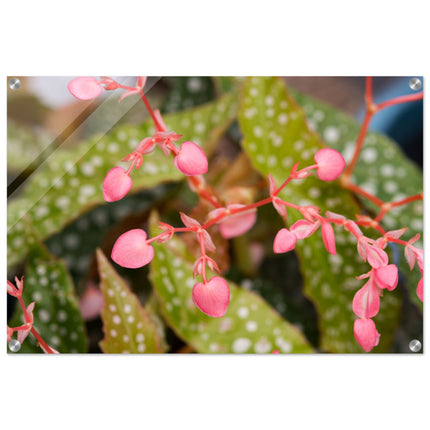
250,325
56,314
276,136
187,92
70,182
23,145
127,326
382,169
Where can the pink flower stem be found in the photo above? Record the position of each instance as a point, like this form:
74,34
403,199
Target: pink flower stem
46,347
399,100
149,108
359,143
236,211
130,168
33,330
283,186
358,190
203,252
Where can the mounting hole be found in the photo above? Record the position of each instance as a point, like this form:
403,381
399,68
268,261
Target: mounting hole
415,84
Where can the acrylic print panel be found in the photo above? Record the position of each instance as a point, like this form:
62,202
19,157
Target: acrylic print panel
215,215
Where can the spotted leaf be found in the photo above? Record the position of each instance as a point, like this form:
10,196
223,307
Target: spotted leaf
250,325
69,183
382,170
56,313
127,326
276,135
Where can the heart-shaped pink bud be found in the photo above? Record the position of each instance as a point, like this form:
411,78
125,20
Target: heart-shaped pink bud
212,298
85,88
387,277
284,241
191,159
330,164
131,249
366,300
116,184
366,334
238,224
420,290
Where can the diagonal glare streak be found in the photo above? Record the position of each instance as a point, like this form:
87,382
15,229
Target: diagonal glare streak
64,137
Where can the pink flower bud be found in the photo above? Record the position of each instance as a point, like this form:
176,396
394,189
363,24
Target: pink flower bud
328,237
376,257
116,184
366,300
91,303
387,276
131,249
284,241
191,159
366,334
420,290
303,229
212,298
330,164
237,224
85,88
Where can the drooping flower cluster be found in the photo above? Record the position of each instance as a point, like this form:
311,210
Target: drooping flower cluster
133,249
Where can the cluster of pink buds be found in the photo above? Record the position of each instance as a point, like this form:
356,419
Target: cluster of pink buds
133,249
190,159
24,330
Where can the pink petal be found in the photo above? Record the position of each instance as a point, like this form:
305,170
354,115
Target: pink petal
30,309
395,234
141,81
12,290
280,208
191,159
420,290
376,257
85,88
131,249
237,224
387,276
366,301
213,297
116,184
127,94
22,334
330,164
366,334
410,256
334,215
284,241
189,222
207,240
91,303
272,185
303,229
328,237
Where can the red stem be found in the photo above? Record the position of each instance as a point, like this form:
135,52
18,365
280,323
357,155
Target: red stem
41,341
364,193
149,108
359,143
401,99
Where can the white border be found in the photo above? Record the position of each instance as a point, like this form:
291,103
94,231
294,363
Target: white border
215,38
